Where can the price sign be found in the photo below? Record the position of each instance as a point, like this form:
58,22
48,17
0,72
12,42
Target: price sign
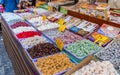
62,28
101,39
35,12
63,10
24,17
50,8
59,43
44,17
61,21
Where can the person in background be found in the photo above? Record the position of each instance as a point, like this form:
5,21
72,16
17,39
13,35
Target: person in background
10,5
26,3
33,2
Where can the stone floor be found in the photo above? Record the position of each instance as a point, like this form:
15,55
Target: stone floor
5,63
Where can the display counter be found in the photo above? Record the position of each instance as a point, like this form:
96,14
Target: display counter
21,62
37,45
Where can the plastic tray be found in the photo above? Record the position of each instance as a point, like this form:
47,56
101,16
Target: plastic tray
78,59
60,73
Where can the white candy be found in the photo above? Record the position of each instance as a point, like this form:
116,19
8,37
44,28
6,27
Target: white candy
10,16
29,42
97,68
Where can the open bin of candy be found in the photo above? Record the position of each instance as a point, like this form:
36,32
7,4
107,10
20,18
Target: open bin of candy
19,24
73,22
48,26
55,16
56,64
100,39
109,31
111,53
42,50
52,33
91,66
32,41
68,37
82,49
27,34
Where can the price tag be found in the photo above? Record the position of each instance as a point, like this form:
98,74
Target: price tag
63,10
24,17
35,12
100,17
59,43
37,4
101,39
62,28
50,8
44,17
61,21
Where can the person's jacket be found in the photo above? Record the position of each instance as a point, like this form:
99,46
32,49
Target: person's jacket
10,5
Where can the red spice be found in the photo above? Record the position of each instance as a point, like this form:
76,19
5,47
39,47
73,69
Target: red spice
27,34
18,24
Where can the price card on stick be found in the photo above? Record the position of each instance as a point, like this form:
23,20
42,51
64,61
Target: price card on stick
59,43
44,18
35,12
50,8
62,28
24,17
61,21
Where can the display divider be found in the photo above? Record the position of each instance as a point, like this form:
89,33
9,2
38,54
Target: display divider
83,63
91,19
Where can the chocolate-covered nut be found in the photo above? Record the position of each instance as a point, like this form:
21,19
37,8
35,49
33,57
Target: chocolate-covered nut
43,49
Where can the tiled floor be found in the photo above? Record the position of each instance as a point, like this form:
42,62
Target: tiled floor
5,63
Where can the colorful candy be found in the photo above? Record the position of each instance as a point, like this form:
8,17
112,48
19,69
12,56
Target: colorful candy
109,31
69,37
82,48
111,53
52,33
27,34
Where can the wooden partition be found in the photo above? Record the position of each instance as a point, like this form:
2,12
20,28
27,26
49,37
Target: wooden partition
92,19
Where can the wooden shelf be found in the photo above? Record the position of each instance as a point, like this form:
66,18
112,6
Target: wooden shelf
92,19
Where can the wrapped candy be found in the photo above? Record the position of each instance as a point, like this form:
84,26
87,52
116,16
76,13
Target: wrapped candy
99,39
97,68
111,53
52,33
27,34
82,48
48,26
23,29
32,41
107,30
69,37
37,21
27,15
19,23
10,16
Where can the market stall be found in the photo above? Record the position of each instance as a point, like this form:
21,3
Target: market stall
42,42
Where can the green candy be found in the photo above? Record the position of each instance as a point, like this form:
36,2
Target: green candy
83,48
